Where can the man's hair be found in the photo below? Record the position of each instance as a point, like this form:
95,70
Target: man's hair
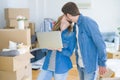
70,8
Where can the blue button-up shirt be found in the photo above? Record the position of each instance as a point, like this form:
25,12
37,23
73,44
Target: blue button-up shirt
63,62
92,46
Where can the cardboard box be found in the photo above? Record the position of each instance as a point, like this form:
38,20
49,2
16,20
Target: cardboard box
12,13
17,75
113,55
32,28
14,23
14,63
16,35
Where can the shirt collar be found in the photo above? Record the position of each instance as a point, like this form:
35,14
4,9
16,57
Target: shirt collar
64,31
80,19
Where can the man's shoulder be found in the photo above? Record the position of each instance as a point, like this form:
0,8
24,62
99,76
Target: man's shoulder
89,19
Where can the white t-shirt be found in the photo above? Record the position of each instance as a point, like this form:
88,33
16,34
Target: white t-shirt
80,61
51,65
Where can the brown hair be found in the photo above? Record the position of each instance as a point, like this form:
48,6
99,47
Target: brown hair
56,27
70,8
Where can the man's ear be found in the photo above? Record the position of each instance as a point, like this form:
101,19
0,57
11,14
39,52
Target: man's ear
68,15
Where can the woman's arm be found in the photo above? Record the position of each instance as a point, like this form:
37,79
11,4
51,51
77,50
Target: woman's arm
69,50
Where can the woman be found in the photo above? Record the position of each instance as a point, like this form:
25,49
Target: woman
57,62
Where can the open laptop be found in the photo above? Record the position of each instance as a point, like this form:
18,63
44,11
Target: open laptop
49,40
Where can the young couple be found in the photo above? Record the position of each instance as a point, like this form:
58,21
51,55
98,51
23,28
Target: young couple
89,46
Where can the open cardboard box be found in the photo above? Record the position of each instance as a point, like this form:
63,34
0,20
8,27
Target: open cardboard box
14,63
16,35
18,67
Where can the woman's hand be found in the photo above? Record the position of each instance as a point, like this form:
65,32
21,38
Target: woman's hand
60,49
51,49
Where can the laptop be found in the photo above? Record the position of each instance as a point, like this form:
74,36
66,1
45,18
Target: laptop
49,40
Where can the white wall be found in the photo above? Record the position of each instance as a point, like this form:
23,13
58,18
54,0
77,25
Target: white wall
53,7
37,12
2,6
105,12
18,3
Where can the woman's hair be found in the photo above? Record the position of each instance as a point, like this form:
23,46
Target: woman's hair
70,8
56,27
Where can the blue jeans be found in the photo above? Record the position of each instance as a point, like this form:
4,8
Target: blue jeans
84,75
47,75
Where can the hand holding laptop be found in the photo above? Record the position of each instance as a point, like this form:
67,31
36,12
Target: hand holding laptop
59,49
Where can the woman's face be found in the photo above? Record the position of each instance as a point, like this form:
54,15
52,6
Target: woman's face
64,23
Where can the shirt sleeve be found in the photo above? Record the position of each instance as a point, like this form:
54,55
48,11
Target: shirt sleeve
69,50
96,36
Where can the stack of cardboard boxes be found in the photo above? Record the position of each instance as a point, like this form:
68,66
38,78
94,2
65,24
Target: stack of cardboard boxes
11,15
17,67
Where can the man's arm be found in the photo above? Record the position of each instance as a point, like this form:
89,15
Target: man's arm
99,42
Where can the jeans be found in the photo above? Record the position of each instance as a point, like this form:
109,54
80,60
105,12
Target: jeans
86,76
47,75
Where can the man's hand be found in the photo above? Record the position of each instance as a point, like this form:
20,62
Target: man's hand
102,70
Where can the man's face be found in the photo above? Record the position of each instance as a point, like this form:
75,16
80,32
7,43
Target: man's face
64,23
68,18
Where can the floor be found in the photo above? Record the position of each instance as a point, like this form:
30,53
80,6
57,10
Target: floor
73,74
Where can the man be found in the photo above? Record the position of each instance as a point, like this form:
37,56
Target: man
91,49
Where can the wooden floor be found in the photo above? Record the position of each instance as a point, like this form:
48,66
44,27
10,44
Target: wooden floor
73,74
